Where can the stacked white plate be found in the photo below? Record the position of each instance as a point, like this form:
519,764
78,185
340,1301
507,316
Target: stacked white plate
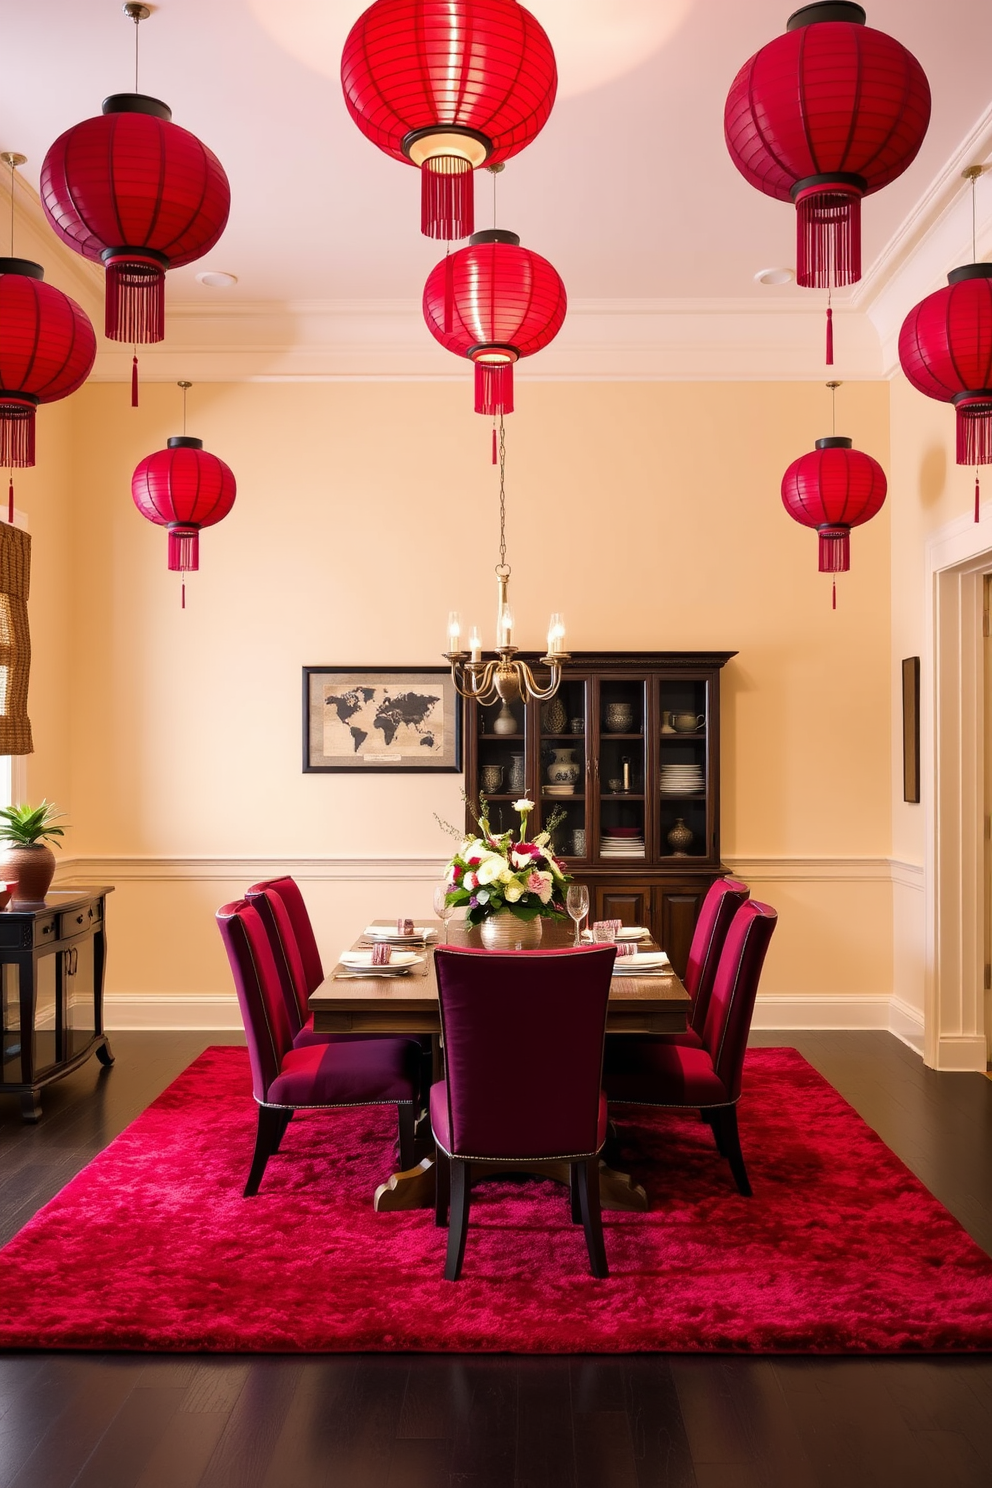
681,780
559,790
625,845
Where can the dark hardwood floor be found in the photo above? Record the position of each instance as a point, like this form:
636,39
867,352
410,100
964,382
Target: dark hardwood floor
401,1421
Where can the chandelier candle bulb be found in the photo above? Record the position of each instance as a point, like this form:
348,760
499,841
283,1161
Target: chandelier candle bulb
556,635
475,643
454,632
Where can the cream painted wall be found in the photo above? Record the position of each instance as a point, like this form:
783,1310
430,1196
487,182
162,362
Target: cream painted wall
648,513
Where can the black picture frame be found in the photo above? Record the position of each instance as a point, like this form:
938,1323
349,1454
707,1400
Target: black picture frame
412,739
911,729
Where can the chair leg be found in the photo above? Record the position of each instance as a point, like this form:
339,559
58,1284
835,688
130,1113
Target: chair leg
287,1117
729,1140
442,1188
271,1125
406,1118
712,1119
592,1216
461,1193
573,1192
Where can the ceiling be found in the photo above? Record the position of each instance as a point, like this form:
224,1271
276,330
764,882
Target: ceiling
629,189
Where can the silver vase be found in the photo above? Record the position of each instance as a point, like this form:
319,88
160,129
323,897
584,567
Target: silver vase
504,932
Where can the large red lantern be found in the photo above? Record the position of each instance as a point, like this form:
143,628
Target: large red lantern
945,347
47,348
135,191
183,488
448,85
834,488
823,116
494,302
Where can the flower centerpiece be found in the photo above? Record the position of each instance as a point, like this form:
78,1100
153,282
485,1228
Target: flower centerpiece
507,887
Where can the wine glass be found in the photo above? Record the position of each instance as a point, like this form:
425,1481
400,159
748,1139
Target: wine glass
577,904
442,908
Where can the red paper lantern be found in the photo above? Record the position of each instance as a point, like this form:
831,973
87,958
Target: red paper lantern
494,302
183,488
834,488
47,348
945,347
134,190
822,116
448,85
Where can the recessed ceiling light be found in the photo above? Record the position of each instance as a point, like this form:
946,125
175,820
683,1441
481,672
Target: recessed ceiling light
774,276
215,279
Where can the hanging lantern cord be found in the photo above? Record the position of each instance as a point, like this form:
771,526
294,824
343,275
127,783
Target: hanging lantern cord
833,386
185,387
495,170
137,13
502,567
13,159
971,173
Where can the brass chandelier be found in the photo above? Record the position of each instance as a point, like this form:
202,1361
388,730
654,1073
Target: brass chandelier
505,676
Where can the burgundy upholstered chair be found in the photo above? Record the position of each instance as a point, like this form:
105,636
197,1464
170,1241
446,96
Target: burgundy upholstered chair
306,971
723,899
552,1005
365,1073
648,1072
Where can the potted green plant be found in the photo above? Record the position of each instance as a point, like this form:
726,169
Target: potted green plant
29,861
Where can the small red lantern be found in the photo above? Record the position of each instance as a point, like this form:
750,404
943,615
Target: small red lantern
47,349
822,116
134,190
183,488
834,488
494,302
945,347
448,85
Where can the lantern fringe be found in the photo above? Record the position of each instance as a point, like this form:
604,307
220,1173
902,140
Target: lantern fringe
830,337
184,549
828,239
16,434
495,447
834,605
978,499
974,434
447,198
135,304
10,502
494,387
835,549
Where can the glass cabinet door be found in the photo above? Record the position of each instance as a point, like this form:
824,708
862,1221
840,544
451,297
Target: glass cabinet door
504,761
683,768
622,718
563,765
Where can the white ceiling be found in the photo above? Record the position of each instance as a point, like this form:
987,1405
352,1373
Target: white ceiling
628,190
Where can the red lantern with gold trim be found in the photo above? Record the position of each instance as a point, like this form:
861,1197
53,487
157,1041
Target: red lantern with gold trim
183,488
834,488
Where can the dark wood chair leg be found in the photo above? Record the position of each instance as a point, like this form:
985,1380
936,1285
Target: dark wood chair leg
271,1125
406,1119
712,1119
573,1192
461,1194
287,1117
105,1053
442,1188
592,1215
729,1142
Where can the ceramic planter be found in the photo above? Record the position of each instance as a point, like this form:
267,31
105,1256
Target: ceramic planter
33,868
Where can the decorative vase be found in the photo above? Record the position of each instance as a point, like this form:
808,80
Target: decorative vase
563,769
491,777
680,839
33,868
504,932
619,718
579,842
554,716
578,725
518,776
505,723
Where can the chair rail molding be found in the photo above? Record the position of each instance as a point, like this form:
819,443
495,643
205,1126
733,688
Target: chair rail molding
958,556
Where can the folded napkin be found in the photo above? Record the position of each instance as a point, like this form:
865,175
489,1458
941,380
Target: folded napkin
382,954
626,948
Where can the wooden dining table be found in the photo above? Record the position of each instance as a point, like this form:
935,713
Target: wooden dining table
350,1002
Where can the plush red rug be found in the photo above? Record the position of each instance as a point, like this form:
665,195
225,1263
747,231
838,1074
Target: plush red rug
841,1249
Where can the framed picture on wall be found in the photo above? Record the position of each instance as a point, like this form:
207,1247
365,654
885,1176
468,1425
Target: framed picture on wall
378,719
911,729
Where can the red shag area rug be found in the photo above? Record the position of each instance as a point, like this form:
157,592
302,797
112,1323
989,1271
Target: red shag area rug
841,1249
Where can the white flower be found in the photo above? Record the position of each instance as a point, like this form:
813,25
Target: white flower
512,892
483,896
469,882
506,877
521,860
490,869
523,805
542,839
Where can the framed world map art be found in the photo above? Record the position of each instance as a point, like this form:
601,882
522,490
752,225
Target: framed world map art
372,719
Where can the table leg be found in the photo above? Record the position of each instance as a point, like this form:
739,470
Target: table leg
414,1188
104,1053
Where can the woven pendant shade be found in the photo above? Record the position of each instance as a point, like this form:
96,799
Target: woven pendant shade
47,349
183,488
448,85
823,116
15,641
138,193
494,302
945,348
834,488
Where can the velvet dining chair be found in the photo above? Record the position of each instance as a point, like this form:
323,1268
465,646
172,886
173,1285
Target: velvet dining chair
722,901
382,1071
650,1072
553,1005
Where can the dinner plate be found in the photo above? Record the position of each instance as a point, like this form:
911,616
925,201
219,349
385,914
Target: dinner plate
399,961
640,961
627,932
384,932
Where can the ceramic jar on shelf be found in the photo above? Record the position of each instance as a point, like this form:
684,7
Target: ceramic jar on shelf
564,768
619,718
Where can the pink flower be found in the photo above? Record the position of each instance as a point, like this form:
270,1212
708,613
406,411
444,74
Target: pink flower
535,882
456,872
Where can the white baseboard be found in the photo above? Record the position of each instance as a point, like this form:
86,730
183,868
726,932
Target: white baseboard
179,1012
906,1022
864,1010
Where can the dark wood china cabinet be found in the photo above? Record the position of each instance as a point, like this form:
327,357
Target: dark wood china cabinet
628,749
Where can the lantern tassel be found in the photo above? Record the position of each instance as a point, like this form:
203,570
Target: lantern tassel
447,198
134,381
495,446
974,421
184,594
494,388
978,499
16,434
135,306
835,549
184,549
828,247
10,502
834,606
830,337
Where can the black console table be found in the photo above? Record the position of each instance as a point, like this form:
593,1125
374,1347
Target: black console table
52,960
